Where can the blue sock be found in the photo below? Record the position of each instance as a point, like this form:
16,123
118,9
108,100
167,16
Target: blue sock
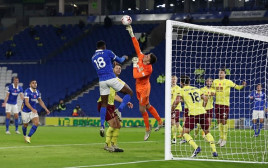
255,128
102,115
7,124
260,127
126,99
24,130
32,131
16,124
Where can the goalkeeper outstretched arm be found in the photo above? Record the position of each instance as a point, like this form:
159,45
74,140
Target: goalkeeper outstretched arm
134,41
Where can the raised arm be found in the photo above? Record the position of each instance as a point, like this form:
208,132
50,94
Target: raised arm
239,87
134,41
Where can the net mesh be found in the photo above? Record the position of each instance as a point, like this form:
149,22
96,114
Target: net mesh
199,53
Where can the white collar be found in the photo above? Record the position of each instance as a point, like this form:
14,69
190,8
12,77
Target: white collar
32,90
14,86
258,93
99,50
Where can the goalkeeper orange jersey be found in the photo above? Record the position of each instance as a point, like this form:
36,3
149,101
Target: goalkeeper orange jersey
142,75
143,72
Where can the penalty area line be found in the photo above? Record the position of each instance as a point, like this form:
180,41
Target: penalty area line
115,164
63,145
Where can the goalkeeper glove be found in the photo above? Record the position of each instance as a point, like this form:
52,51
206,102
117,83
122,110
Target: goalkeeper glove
130,30
135,61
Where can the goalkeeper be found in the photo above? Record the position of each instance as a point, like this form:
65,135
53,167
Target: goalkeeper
142,70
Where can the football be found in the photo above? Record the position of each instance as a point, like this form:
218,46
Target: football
126,20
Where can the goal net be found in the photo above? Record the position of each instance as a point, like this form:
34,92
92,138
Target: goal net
200,52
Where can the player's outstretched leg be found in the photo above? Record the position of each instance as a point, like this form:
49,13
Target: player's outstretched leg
155,114
174,134
33,129
103,109
190,140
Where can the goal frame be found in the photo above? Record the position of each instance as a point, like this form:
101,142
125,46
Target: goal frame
168,73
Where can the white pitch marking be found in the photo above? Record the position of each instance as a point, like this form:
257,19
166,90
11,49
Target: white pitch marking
40,146
114,164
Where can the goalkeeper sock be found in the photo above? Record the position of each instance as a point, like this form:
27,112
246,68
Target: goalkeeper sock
225,131
210,139
153,111
32,131
190,140
255,128
102,115
126,99
7,124
146,120
109,135
179,128
16,124
115,136
24,130
174,131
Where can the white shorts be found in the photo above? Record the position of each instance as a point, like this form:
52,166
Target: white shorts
27,117
257,114
114,83
12,108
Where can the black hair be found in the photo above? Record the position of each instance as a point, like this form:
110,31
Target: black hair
185,80
222,69
153,58
32,80
100,44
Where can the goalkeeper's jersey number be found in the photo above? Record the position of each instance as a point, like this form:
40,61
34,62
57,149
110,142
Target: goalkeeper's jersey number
195,97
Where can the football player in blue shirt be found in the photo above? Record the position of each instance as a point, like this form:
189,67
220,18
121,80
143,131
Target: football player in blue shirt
10,103
32,96
260,104
102,61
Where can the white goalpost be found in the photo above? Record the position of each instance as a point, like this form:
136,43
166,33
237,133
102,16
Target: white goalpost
199,52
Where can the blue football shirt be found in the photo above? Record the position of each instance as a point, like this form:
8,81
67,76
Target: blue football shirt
259,100
102,61
13,93
33,99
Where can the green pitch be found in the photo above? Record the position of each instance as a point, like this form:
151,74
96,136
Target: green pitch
54,147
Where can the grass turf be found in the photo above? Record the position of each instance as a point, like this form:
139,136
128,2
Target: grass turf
82,146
